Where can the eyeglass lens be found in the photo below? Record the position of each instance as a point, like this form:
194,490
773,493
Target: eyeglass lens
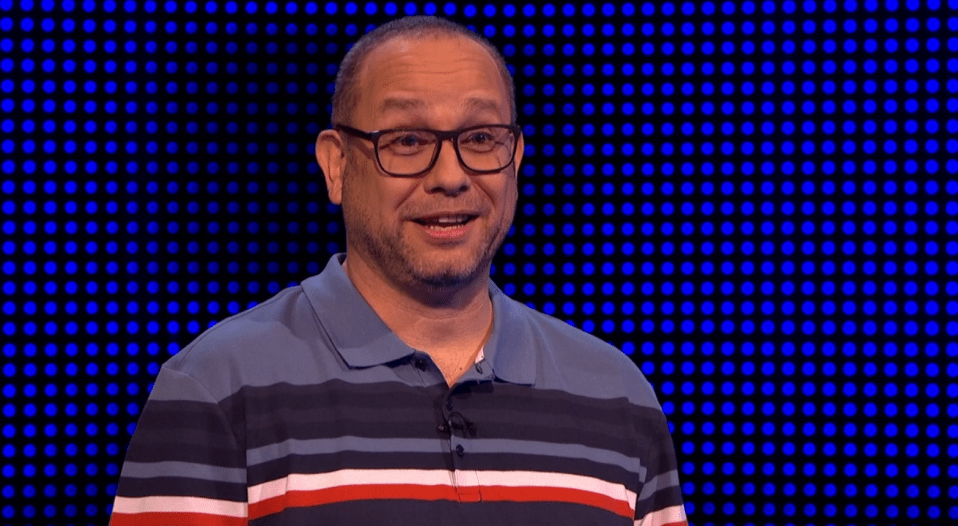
408,152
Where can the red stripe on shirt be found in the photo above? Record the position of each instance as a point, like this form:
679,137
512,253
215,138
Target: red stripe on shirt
301,499
551,494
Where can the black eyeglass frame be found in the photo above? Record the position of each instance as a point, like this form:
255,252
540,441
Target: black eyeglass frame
443,136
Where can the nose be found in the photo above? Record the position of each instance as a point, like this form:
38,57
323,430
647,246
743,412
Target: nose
448,175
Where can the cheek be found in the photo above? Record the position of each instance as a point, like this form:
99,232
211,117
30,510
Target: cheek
369,189
377,196
509,195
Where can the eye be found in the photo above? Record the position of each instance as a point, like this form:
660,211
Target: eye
483,140
411,140
406,141
477,137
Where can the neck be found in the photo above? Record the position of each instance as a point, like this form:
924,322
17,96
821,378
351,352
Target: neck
443,322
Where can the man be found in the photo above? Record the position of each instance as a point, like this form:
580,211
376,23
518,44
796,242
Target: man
400,386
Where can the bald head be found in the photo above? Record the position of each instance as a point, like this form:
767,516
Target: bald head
346,94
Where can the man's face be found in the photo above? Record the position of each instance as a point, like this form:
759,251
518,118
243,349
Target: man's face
440,229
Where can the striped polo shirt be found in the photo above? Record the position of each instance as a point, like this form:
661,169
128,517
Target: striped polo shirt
308,410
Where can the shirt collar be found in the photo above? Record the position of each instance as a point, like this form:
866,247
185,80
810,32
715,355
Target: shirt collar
363,340
511,346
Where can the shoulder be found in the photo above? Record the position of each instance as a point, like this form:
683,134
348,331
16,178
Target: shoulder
239,350
573,360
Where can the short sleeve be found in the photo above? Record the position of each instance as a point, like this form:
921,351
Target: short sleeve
185,465
659,502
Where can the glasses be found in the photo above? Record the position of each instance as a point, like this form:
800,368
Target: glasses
410,152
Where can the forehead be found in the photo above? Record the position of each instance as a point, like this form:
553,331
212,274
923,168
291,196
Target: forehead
423,75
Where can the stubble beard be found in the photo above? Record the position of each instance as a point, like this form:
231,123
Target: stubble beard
386,248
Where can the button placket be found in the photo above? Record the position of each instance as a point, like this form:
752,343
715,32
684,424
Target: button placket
466,480
460,429
422,366
467,485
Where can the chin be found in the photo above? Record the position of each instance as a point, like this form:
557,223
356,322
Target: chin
447,270
443,281
445,276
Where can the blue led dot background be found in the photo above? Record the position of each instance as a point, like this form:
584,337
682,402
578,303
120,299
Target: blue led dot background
757,201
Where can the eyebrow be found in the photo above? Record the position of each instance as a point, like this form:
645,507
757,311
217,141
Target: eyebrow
478,104
401,104
472,104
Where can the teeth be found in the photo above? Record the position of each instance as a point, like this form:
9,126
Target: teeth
445,222
451,220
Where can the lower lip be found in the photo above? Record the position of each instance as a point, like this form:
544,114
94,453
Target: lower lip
446,234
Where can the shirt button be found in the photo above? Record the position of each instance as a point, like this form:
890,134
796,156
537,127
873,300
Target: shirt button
461,451
421,364
479,368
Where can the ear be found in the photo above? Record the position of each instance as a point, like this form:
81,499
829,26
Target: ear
520,149
331,156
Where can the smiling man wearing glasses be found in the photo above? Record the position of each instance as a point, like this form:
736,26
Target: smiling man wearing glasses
400,385
425,210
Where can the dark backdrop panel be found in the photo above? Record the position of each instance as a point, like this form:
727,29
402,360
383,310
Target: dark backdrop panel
755,200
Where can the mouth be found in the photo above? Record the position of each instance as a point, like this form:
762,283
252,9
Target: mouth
444,222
